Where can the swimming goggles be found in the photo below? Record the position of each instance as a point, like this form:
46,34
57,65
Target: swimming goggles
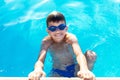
54,28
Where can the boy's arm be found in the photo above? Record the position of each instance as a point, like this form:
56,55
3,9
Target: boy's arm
71,39
45,44
40,63
84,71
38,69
79,56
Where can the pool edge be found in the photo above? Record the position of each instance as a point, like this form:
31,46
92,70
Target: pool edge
56,78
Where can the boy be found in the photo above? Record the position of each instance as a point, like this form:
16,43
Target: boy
65,52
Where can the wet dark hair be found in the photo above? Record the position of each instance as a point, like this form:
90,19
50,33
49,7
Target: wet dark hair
55,17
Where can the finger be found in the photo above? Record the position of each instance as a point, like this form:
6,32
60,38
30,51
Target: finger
82,78
35,77
86,76
44,75
92,76
38,77
78,74
30,77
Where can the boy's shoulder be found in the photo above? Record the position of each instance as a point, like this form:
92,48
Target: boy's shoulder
70,34
47,38
47,41
71,38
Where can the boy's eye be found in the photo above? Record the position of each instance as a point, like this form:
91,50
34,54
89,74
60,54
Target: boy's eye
52,28
62,27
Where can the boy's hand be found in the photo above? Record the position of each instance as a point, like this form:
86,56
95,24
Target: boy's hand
35,75
86,75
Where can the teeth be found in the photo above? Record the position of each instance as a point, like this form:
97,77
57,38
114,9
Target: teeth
58,35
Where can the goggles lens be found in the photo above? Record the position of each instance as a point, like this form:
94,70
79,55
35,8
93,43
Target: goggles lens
54,28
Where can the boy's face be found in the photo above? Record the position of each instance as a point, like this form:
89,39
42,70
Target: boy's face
57,34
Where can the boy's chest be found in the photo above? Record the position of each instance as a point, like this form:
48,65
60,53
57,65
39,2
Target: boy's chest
59,48
61,51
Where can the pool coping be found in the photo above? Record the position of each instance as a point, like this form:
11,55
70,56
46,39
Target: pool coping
56,78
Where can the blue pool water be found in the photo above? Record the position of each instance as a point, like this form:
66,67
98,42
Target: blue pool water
96,23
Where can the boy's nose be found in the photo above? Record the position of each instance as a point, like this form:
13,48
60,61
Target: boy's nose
57,29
